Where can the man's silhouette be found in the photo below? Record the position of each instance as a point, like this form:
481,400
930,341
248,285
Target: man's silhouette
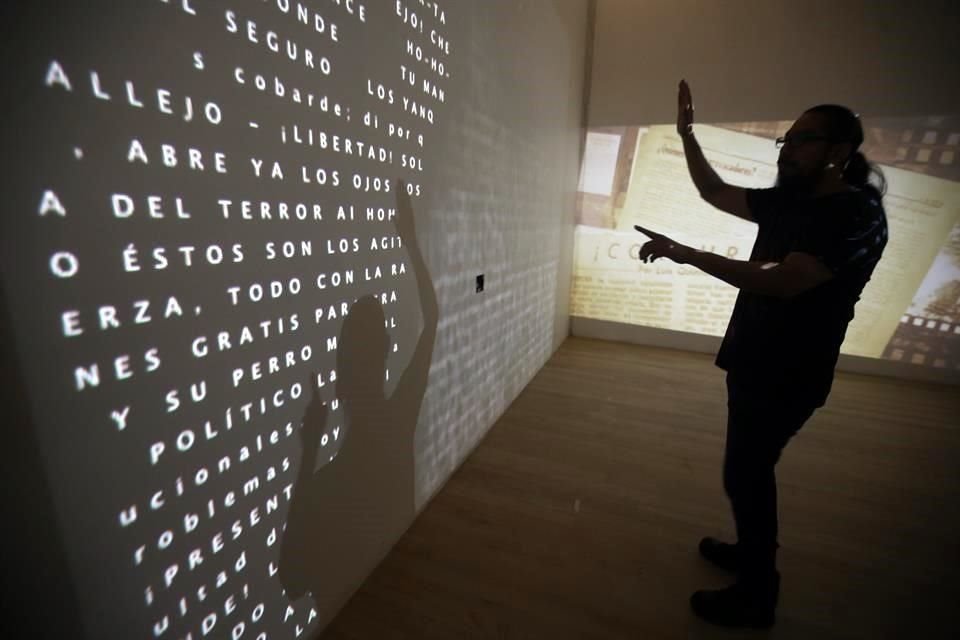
344,518
821,231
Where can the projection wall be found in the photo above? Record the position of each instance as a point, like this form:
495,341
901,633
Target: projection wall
753,67
910,310
222,220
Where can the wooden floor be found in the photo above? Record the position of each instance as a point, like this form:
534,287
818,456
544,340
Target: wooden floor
579,514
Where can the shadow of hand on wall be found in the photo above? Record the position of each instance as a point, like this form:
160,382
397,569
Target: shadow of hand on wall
344,517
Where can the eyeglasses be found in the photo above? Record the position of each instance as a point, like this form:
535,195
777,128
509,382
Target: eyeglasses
798,139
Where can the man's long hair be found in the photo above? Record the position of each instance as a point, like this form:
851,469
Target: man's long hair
843,126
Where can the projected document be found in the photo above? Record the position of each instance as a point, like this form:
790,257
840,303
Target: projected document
908,311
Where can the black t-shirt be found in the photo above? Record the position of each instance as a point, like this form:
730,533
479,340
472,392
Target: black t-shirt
796,341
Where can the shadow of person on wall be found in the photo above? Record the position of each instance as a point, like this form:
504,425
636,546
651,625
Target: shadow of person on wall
345,517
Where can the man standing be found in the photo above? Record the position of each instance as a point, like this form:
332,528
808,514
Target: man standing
822,230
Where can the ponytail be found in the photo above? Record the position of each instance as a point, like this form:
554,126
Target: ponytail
858,173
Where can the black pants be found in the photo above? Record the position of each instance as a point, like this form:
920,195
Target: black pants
761,420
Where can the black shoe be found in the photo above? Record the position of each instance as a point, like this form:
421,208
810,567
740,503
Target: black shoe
739,605
722,554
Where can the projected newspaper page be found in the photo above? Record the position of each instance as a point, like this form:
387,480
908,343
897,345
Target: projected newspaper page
611,284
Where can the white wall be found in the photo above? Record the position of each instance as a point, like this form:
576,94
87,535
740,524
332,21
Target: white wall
498,196
751,60
506,199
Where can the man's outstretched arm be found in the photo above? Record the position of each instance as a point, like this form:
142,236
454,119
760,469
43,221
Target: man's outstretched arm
798,272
